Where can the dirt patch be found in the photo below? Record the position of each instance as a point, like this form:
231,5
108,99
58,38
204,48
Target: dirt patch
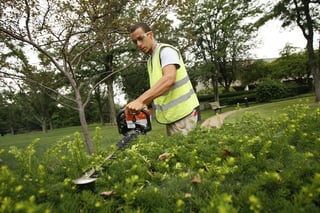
217,120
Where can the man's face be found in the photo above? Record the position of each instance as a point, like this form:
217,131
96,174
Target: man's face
143,40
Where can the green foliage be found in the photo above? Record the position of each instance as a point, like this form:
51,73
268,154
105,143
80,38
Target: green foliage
290,66
232,98
204,92
268,90
254,71
227,35
238,97
135,80
294,89
24,157
252,165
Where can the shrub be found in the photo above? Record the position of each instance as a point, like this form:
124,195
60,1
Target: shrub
294,89
253,165
238,98
231,97
269,90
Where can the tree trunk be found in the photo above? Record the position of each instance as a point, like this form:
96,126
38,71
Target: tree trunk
50,124
317,74
313,63
227,87
308,32
84,124
216,90
85,130
316,78
12,130
112,110
42,122
100,108
44,125
99,100
215,86
109,68
314,67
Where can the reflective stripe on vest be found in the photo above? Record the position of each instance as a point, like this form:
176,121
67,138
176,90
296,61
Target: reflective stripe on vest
175,102
178,84
180,100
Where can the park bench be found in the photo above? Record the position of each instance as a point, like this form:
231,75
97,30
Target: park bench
216,106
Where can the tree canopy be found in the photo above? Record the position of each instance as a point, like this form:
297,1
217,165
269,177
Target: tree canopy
219,33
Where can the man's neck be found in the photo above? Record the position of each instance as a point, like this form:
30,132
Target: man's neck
153,49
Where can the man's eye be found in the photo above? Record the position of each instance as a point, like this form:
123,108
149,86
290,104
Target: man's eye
139,38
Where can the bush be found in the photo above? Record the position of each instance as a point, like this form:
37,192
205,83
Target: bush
239,97
231,97
294,89
269,90
266,91
252,165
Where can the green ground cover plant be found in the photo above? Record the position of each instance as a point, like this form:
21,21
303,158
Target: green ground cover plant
254,164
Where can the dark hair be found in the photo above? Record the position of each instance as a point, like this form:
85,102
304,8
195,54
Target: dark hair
144,26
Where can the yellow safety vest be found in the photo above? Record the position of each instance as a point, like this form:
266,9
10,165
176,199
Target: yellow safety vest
180,100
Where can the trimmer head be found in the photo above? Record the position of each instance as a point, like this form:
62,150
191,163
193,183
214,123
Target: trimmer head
91,175
86,178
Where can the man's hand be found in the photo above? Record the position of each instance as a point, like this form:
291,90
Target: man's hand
134,107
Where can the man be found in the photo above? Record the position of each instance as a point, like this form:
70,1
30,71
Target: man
174,99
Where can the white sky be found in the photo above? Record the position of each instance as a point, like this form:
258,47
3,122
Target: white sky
273,38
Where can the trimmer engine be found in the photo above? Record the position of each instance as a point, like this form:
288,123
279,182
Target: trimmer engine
132,125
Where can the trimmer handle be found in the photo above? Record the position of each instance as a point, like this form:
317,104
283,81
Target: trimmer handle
140,122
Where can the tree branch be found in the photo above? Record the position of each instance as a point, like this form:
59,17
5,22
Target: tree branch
45,16
28,19
23,78
108,76
21,38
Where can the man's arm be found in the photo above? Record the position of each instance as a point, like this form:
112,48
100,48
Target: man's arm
162,86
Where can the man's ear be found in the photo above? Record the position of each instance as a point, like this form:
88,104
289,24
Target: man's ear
151,34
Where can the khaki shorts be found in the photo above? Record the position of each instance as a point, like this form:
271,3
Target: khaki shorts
183,125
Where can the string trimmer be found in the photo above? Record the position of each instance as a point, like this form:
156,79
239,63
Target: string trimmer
128,125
